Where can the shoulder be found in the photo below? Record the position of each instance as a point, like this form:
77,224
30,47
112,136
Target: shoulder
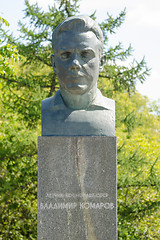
47,105
51,101
110,103
104,102
47,102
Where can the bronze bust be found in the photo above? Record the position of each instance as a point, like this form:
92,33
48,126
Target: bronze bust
78,107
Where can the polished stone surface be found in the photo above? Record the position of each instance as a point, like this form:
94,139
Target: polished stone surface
77,188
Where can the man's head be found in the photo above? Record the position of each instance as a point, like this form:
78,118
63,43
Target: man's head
78,24
78,54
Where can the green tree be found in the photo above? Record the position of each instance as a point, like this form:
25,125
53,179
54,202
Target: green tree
138,133
18,153
26,77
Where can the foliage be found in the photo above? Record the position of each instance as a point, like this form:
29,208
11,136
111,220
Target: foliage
18,153
26,77
138,134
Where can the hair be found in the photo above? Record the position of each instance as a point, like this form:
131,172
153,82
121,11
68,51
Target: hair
79,24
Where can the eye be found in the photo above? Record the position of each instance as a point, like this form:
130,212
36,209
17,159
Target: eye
65,55
85,54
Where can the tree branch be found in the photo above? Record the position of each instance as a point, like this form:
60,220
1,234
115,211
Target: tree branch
138,185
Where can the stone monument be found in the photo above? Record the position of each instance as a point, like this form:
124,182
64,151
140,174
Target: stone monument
77,150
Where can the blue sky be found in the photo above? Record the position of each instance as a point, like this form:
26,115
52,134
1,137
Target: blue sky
141,28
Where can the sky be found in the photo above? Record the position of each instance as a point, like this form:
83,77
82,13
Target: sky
141,29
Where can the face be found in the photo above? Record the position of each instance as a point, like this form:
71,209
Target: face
77,61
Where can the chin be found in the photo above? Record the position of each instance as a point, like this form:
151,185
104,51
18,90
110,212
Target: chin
78,90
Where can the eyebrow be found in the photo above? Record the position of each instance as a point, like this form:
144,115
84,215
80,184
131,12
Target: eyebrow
81,49
87,49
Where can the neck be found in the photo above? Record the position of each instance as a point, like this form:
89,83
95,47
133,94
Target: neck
78,101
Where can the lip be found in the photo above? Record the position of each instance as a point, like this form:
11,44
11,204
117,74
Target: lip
76,81
75,85
76,75
75,78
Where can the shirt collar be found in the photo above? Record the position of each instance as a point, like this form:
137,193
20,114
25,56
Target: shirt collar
99,103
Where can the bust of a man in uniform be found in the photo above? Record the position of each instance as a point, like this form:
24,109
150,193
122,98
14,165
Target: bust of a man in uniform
78,107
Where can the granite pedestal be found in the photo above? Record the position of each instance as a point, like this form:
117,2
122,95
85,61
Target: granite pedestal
77,188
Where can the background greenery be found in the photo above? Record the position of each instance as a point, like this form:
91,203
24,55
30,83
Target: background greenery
26,77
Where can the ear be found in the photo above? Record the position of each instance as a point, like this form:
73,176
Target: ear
102,62
53,63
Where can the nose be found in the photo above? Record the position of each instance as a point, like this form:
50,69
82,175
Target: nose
75,65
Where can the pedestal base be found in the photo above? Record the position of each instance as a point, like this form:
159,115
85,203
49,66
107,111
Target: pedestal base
77,188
